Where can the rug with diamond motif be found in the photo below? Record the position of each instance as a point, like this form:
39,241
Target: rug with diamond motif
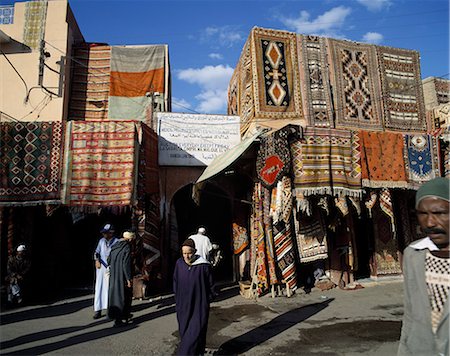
356,83
30,162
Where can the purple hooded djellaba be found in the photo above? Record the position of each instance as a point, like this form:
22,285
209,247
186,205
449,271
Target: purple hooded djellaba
193,288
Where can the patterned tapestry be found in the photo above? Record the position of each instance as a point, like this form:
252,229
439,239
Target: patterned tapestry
136,71
246,99
233,92
100,163
284,251
386,255
273,158
275,74
30,162
315,81
404,107
270,249
240,238
311,236
148,256
382,160
34,27
442,90
328,162
421,160
258,248
356,83
90,83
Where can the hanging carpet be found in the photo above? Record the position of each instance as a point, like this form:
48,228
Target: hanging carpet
100,163
356,82
35,20
315,81
328,162
404,107
275,74
90,83
136,72
421,160
30,162
382,160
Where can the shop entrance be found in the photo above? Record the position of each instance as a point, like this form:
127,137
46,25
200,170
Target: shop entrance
214,213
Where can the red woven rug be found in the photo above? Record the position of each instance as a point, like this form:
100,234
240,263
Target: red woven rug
100,163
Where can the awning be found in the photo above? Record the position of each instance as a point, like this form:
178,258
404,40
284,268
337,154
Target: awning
224,160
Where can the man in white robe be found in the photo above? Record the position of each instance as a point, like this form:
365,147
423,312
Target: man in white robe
202,243
102,269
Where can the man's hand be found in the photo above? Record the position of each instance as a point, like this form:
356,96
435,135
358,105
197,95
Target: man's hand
129,283
97,264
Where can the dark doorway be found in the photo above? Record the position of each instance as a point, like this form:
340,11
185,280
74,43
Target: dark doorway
214,213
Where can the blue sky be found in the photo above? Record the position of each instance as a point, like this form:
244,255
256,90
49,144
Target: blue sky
206,37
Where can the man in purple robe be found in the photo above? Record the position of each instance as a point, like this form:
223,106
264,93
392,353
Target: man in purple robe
193,288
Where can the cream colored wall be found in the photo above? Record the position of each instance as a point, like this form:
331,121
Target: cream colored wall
429,93
40,106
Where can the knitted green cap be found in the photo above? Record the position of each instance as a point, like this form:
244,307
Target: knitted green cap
437,187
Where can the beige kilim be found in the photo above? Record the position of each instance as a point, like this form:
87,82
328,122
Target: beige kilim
233,92
404,107
356,83
90,83
246,106
275,74
34,27
437,277
315,81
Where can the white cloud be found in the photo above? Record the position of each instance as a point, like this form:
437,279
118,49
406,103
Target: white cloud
215,56
326,24
213,82
212,101
375,5
225,36
373,37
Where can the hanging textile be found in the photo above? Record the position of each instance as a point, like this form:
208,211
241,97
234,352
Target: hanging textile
386,206
311,237
382,160
370,202
386,255
275,74
270,250
274,158
285,253
90,82
329,163
356,82
240,238
404,107
258,257
100,163
341,204
31,156
421,160
136,72
34,26
315,81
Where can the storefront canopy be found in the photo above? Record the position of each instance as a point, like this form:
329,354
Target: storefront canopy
221,162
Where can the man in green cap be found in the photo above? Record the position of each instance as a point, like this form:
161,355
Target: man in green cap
426,272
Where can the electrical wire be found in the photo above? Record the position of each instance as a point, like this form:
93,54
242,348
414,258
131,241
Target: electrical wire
17,72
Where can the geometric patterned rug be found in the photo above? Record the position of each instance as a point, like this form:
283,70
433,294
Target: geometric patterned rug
355,77
315,81
404,107
30,162
100,164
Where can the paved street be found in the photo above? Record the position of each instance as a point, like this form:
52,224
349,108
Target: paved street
335,322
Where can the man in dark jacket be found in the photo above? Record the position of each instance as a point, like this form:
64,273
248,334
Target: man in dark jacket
193,288
120,283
